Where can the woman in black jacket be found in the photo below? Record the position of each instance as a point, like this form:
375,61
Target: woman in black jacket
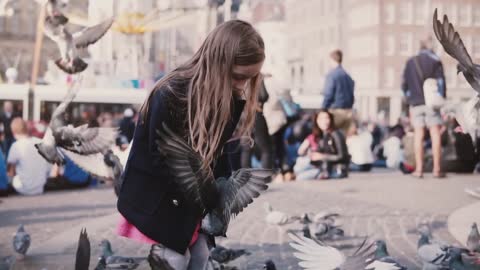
200,101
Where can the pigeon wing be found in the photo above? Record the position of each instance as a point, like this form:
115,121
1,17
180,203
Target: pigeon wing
359,259
91,34
184,163
87,141
82,260
452,43
57,115
248,183
93,164
315,255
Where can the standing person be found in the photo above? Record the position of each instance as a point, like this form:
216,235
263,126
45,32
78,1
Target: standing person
338,93
27,168
127,124
6,119
426,64
201,101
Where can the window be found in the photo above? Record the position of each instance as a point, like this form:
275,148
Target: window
389,77
420,13
405,12
404,44
389,13
389,45
321,36
292,72
301,74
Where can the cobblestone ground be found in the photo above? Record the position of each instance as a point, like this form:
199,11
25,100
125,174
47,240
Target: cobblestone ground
383,205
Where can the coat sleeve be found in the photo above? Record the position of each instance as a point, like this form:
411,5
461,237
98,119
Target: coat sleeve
157,114
329,92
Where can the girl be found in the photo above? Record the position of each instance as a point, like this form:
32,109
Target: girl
202,101
327,150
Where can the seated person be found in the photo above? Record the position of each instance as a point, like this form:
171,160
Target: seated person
69,176
3,176
327,151
28,169
359,147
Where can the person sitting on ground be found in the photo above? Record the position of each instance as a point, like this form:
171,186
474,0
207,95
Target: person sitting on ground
28,169
3,176
358,144
68,176
326,149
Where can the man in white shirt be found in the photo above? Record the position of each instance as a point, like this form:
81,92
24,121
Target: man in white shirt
27,167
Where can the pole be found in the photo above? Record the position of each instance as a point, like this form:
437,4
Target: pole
36,58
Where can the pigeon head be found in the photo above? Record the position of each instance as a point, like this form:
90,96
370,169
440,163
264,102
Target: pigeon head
381,249
474,226
424,240
269,265
305,219
106,248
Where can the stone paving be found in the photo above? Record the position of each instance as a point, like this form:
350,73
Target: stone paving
383,205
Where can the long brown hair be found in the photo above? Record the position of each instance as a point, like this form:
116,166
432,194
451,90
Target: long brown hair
316,130
210,90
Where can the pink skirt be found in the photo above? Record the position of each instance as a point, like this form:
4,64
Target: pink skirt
126,229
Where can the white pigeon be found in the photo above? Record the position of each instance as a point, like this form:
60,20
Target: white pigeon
315,255
276,217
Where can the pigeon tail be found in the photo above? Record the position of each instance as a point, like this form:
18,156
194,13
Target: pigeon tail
73,67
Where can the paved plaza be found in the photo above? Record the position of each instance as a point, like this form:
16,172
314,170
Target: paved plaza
382,204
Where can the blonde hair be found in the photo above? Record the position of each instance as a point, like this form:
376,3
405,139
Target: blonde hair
210,90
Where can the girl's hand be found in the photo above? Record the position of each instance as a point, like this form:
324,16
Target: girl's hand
315,156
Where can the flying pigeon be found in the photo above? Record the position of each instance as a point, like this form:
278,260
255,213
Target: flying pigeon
4,10
381,256
269,265
112,161
224,255
315,255
234,193
432,255
69,44
117,262
82,260
83,145
473,240
21,241
277,217
7,263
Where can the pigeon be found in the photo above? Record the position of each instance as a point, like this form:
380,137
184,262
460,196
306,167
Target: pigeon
306,231
324,230
83,145
7,263
235,193
117,262
325,217
315,255
305,219
269,265
69,44
54,11
102,264
224,255
82,260
473,240
458,259
276,217
156,262
21,241
4,10
381,256
432,255
453,45
112,161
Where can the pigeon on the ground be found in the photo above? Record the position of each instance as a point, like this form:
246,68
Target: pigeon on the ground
234,193
432,255
224,255
7,263
102,264
277,217
458,259
381,256
117,262
156,262
83,145
69,44
473,240
82,260
269,265
6,11
21,241
315,255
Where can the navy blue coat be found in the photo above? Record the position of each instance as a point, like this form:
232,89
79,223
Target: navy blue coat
338,92
149,199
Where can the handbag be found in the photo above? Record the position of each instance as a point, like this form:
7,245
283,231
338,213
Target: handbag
433,98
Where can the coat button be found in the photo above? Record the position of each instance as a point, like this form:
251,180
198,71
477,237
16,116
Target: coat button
175,202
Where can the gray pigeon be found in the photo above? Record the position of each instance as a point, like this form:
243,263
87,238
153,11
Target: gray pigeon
235,193
7,263
453,45
381,256
224,255
112,161
324,230
21,241
117,262
269,265
82,260
432,255
473,240
458,259
83,145
69,44
314,254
